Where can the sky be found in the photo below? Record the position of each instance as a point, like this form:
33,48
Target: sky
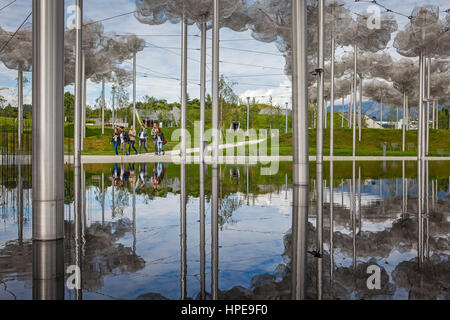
263,79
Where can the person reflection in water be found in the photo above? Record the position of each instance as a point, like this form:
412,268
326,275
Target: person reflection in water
124,175
116,174
158,174
142,175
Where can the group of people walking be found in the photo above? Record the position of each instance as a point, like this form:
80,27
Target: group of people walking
127,140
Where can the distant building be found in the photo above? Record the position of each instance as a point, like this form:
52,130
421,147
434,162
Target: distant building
173,117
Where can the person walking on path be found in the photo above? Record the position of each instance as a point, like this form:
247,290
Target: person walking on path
143,139
161,141
155,131
132,135
124,140
115,139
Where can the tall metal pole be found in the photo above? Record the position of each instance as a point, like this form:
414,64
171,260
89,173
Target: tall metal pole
184,35
342,120
319,156
78,115
333,49
300,148
321,83
404,122
83,99
381,108
113,107
427,118
248,114
287,117
48,120
103,105
355,88
20,108
360,106
215,143
202,89
48,146
134,90
421,96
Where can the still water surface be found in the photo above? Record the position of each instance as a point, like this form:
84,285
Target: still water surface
132,243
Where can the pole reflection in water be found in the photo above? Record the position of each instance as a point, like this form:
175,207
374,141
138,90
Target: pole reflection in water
48,270
427,214
202,232
319,227
78,236
133,186
420,192
403,191
183,230
20,205
103,198
299,243
215,233
354,213
359,199
331,221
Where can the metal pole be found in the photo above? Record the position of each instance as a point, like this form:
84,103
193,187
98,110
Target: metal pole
202,90
421,95
342,120
433,115
184,30
333,49
48,146
287,117
404,122
83,99
114,107
77,139
321,83
360,106
248,114
20,108
407,113
134,90
381,108
319,156
215,143
215,81
48,120
355,88
103,106
300,146
427,118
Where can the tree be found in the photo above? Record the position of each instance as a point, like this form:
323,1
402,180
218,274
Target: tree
69,103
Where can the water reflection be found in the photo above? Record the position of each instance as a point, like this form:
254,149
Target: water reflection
152,232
